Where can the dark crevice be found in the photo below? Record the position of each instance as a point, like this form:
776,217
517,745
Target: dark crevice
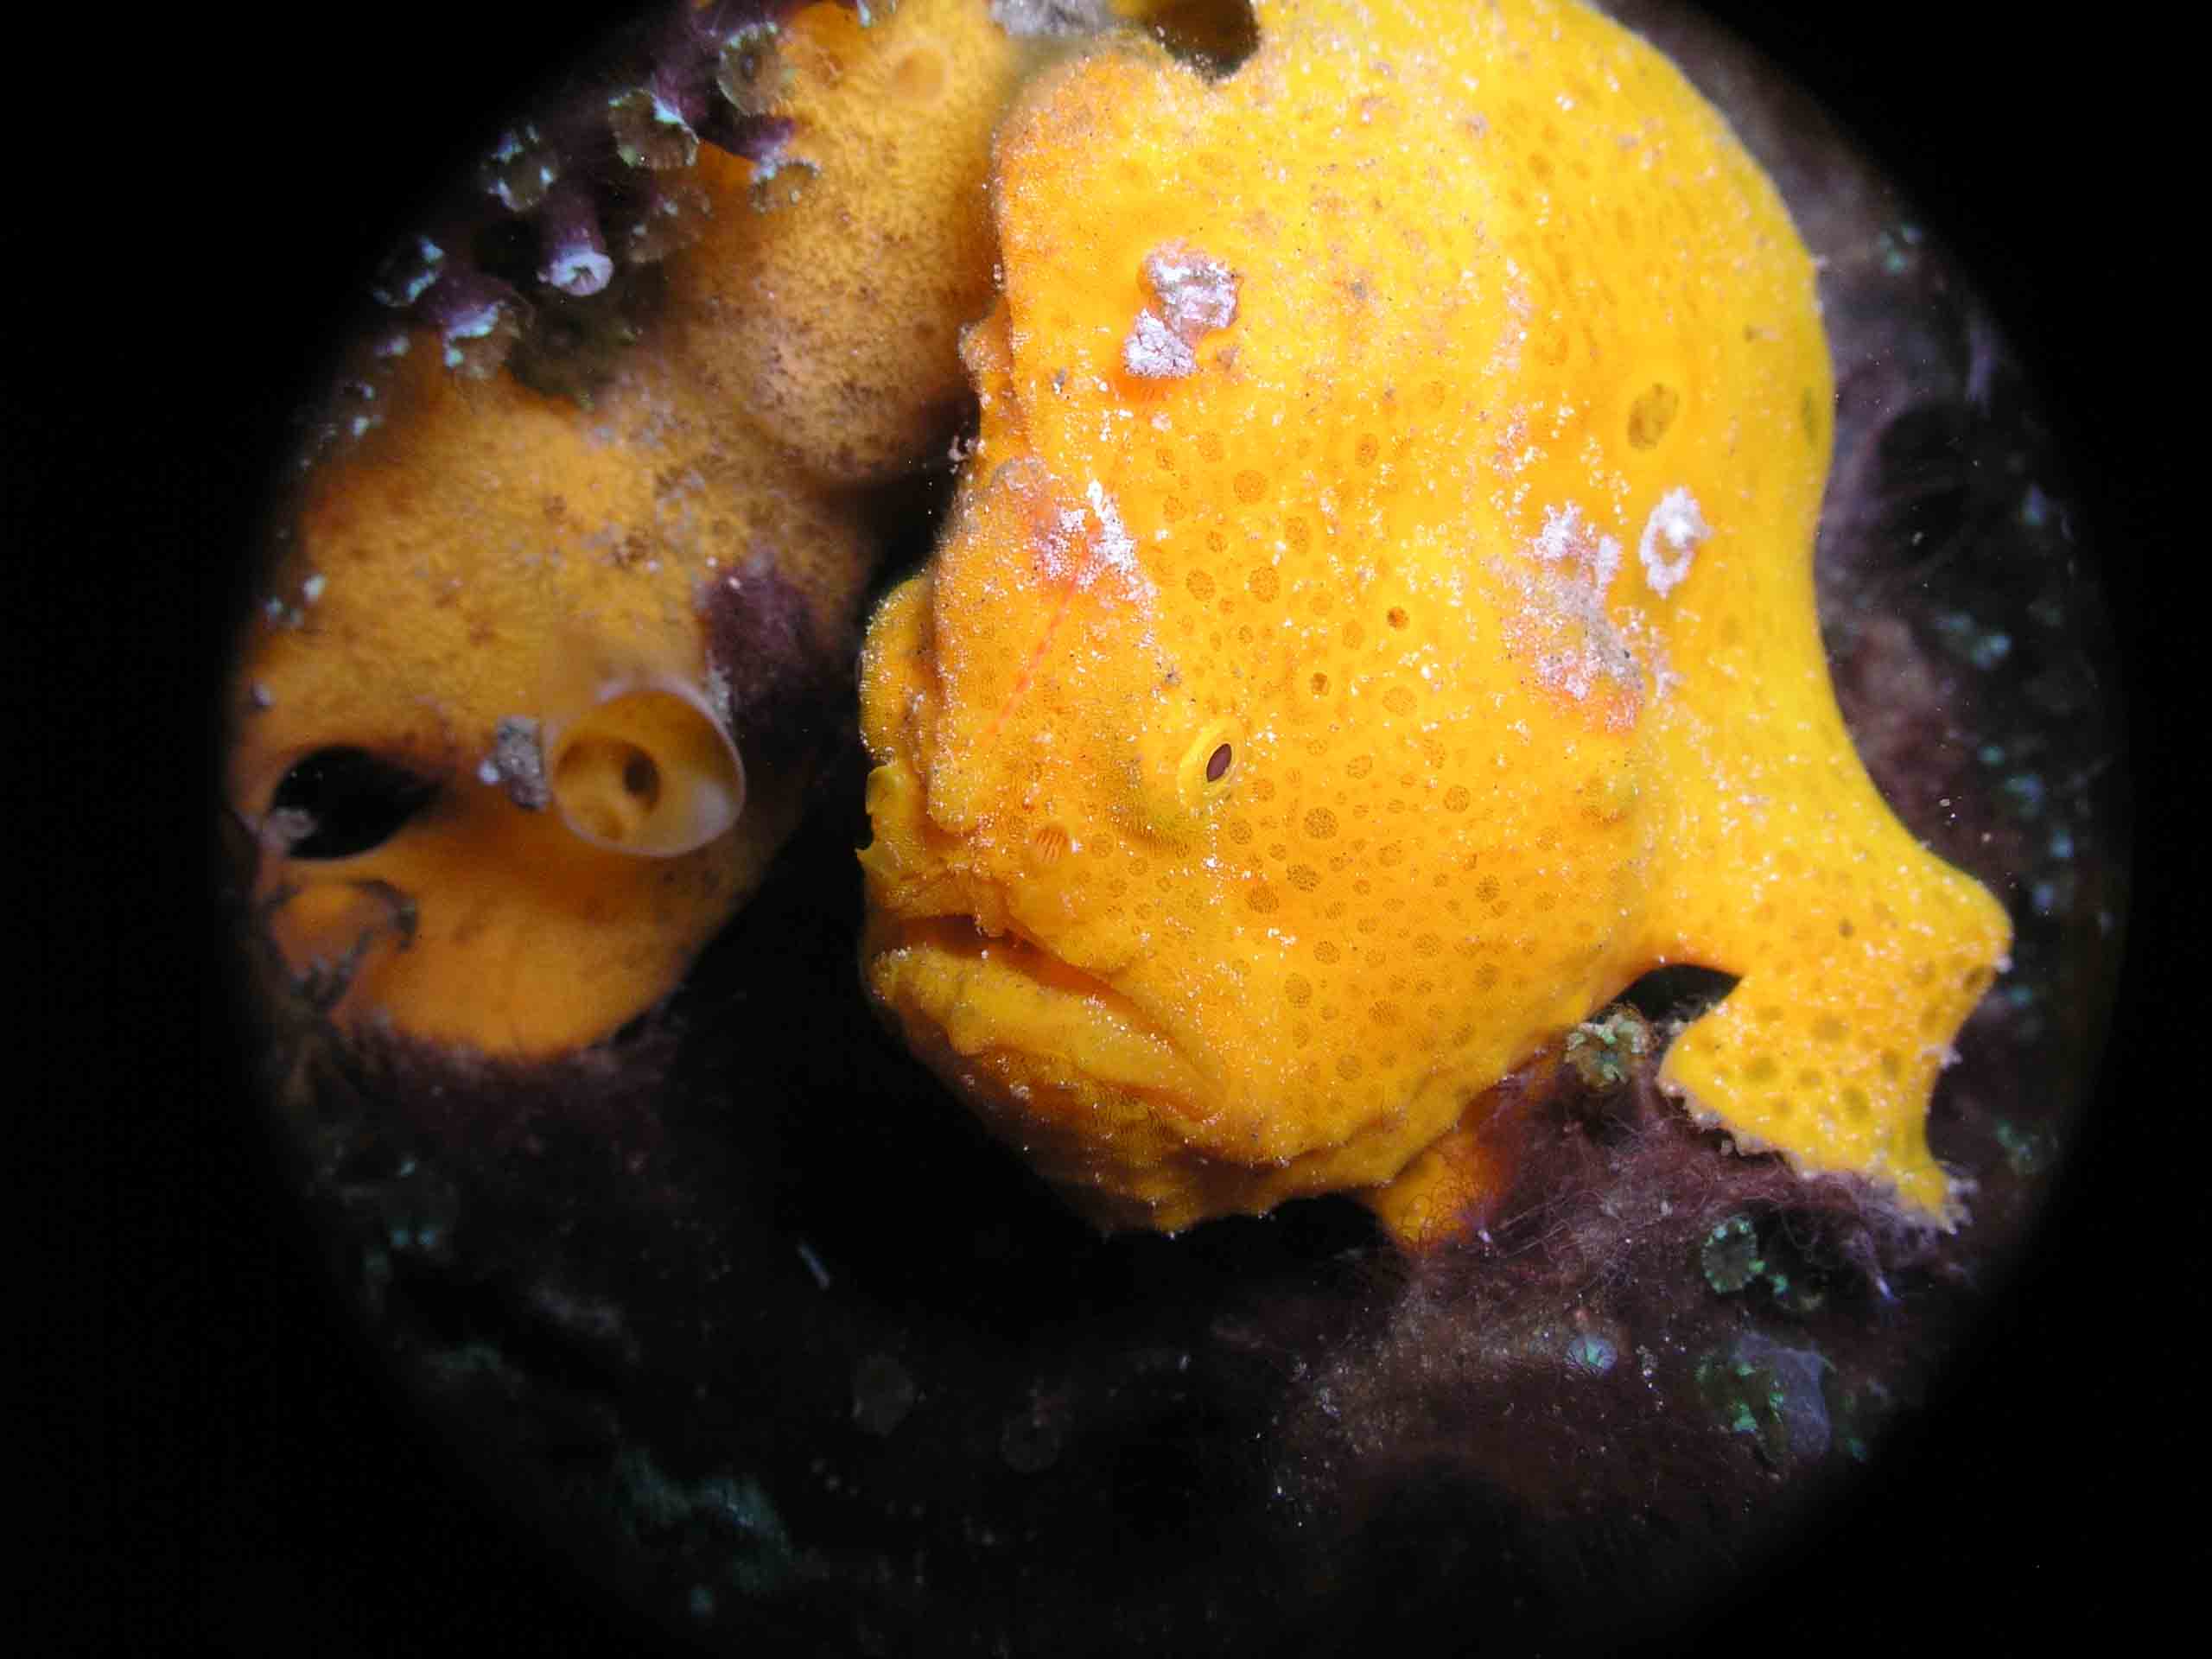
1213,36
1680,991
349,801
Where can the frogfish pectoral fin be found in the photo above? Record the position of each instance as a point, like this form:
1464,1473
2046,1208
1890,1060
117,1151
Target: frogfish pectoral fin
1852,992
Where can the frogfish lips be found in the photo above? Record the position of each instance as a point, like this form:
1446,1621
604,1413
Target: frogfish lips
1043,1009
1082,1077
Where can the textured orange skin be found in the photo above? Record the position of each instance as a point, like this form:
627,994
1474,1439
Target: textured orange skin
487,551
1493,263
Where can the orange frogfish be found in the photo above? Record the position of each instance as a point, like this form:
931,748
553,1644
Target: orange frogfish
1377,625
537,680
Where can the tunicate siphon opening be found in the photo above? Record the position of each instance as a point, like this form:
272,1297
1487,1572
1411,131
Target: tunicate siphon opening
646,770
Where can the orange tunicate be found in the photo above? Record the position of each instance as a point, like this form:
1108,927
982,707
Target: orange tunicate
1479,540
534,691
490,557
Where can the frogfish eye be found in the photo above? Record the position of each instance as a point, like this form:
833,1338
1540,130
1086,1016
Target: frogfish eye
646,769
346,801
1203,764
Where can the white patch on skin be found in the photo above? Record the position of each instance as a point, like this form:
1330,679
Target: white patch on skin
1069,552
1604,564
1195,296
1568,535
1198,293
1561,626
517,760
1054,560
1557,539
1677,522
1117,551
475,322
1155,351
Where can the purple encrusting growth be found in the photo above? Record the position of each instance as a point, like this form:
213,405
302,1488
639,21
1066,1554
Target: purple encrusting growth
596,181
768,665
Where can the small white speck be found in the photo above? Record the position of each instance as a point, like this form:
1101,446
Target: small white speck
311,588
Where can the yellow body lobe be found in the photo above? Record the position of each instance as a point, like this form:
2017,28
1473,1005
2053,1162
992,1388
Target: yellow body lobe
1337,700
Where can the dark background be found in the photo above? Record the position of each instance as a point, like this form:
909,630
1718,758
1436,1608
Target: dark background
183,213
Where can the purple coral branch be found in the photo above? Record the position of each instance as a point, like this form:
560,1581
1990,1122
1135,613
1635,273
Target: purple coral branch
576,260
522,166
702,83
600,173
655,124
477,317
665,217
